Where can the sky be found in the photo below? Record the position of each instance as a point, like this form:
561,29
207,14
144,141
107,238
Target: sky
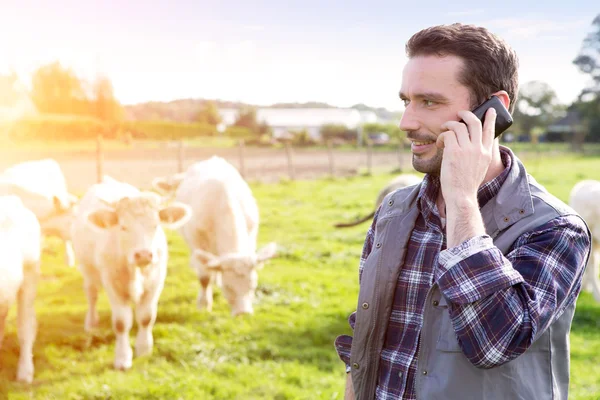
265,51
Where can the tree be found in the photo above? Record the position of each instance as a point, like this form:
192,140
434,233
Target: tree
104,105
56,89
247,118
537,106
588,59
588,62
209,114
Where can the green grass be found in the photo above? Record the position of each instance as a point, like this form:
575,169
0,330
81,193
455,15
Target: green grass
285,350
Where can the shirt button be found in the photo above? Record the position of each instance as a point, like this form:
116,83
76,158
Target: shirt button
355,365
435,303
424,372
365,305
378,245
391,202
400,374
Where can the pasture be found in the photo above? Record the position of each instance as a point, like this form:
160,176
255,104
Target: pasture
285,350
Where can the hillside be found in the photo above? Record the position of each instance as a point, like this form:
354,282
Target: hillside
185,110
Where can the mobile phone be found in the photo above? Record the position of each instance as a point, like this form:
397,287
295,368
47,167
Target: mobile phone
503,118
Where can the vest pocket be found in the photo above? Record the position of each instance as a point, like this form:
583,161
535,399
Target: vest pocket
447,340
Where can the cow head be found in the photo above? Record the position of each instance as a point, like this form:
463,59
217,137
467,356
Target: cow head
59,220
239,274
137,221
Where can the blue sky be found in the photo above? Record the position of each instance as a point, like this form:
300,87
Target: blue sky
340,52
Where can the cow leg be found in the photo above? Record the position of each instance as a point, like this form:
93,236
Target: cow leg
69,254
122,320
145,312
205,295
27,326
91,282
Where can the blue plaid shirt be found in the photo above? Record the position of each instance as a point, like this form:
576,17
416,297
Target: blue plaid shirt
500,304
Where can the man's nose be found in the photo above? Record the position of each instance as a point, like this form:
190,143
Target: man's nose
409,122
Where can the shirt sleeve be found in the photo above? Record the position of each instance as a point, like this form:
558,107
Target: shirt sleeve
500,304
343,343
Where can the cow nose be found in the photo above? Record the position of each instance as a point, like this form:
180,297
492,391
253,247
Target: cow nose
142,257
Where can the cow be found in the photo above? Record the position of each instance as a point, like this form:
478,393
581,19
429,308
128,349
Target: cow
222,234
585,199
20,253
397,183
42,187
120,244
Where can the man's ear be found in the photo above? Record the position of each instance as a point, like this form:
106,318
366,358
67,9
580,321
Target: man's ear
504,98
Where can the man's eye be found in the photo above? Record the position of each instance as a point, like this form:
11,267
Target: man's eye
406,102
429,103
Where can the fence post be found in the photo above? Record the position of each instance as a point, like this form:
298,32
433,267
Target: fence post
330,154
241,155
400,156
369,156
288,152
180,155
99,159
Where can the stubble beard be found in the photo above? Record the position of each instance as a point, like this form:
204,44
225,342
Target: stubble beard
432,165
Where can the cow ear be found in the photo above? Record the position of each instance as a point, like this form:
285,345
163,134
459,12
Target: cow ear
175,215
266,252
209,260
58,205
103,219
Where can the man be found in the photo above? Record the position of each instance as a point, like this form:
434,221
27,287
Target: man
468,281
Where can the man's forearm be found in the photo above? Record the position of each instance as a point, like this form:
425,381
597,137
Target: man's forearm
349,389
463,221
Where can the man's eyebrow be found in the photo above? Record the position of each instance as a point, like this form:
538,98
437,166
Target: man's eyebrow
433,96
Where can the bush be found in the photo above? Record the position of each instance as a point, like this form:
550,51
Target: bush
165,130
58,127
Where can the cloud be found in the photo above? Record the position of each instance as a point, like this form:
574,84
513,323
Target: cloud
465,13
527,28
253,28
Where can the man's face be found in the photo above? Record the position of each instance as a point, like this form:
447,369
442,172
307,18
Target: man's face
432,95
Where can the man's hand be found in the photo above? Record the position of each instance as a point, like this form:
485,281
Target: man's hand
349,395
467,156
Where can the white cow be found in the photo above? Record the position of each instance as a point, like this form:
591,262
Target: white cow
120,244
585,199
42,187
20,248
222,233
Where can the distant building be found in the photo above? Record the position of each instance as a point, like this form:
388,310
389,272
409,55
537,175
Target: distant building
283,120
565,128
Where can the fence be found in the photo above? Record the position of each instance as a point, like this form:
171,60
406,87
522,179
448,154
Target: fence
336,164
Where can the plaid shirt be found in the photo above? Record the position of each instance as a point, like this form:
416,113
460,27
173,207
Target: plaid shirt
500,304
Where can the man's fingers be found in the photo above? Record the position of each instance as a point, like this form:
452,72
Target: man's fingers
447,139
473,124
489,128
460,131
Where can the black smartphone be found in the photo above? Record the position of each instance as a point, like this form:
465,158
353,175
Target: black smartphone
503,118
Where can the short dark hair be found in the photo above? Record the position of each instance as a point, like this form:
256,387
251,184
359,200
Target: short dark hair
490,63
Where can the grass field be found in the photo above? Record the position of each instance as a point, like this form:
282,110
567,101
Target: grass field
285,350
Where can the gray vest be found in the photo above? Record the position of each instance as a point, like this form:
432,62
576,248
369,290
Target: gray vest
443,371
